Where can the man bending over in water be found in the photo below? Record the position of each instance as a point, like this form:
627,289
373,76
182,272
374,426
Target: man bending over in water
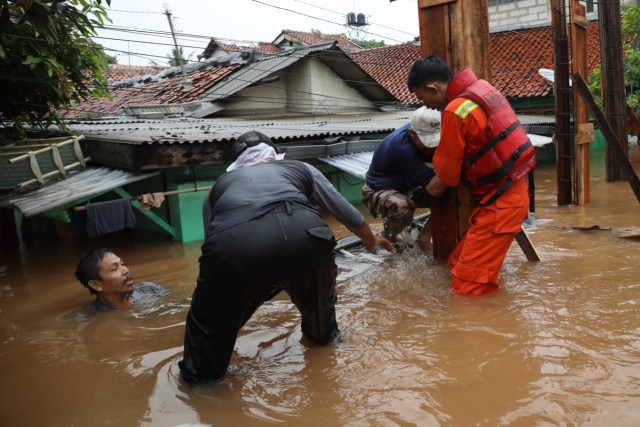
105,275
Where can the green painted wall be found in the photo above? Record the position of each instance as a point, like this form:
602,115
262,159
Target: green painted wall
185,209
348,185
186,213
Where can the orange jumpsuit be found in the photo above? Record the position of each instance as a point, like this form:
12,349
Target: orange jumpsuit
477,260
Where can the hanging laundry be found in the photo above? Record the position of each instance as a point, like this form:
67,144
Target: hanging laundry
151,200
106,217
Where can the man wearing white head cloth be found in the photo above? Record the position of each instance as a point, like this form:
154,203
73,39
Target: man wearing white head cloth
400,171
263,234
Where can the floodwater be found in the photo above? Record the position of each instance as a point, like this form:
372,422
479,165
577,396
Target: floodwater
558,345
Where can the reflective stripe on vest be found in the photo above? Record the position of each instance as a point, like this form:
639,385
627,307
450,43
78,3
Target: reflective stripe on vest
465,108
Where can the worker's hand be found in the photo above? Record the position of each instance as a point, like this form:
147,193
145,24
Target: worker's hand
435,187
371,245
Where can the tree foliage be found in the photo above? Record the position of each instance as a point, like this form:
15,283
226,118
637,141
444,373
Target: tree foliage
176,58
368,44
48,59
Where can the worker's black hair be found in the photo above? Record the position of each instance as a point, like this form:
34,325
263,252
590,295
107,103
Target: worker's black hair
427,69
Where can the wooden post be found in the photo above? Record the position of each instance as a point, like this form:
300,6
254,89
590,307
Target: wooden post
584,129
563,101
613,89
458,32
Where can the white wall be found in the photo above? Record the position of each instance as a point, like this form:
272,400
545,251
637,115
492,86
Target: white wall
260,99
519,14
326,92
308,87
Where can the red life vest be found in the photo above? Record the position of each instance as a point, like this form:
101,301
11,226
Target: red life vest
504,150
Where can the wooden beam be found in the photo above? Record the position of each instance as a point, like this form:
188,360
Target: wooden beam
609,135
527,247
584,129
430,3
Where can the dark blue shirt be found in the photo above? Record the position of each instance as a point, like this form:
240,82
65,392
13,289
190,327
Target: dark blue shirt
398,164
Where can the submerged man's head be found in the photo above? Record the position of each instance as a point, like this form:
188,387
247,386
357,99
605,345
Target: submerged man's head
104,273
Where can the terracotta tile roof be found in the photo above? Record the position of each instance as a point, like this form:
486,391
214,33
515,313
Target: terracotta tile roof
516,57
264,47
301,37
389,65
166,91
119,72
313,39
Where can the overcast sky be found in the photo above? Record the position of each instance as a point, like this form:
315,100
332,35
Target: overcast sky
196,21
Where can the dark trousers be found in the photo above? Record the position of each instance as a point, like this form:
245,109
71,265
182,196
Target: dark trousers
241,268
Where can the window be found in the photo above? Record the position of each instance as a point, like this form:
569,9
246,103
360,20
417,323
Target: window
497,2
589,5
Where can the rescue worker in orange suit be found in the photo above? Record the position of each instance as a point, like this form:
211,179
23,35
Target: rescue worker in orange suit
482,144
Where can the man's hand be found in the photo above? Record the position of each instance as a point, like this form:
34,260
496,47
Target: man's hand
435,187
378,241
370,240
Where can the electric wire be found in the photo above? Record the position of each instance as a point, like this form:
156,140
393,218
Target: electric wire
317,18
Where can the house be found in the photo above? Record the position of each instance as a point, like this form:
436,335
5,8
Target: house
172,134
320,79
287,39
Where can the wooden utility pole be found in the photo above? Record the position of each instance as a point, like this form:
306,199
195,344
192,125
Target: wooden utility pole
562,93
613,89
458,32
584,129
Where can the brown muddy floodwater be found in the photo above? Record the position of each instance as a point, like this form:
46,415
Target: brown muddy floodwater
558,345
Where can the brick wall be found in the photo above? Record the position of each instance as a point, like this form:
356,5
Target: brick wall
516,14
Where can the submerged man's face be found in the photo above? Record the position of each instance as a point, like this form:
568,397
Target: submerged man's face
114,276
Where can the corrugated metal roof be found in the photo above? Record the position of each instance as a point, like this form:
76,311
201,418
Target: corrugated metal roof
252,73
77,187
135,110
539,140
356,164
205,109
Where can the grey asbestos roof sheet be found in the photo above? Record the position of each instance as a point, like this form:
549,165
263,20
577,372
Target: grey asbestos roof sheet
193,130
77,187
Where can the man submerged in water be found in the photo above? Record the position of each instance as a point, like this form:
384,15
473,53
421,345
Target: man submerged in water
109,279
